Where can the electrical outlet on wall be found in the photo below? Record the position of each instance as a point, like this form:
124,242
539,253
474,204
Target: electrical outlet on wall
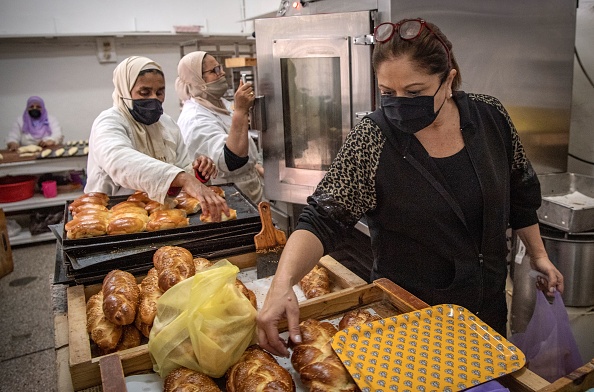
106,52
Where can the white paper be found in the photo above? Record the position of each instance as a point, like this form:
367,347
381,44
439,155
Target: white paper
575,200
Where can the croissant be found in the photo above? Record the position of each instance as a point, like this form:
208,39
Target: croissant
232,215
258,371
357,317
187,203
167,219
147,306
316,282
120,297
173,265
186,380
104,333
316,362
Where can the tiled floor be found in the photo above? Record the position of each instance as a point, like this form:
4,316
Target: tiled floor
27,355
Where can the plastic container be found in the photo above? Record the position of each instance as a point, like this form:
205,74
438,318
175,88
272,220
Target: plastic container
16,188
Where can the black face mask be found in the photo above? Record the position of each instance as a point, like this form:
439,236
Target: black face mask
410,115
146,111
35,113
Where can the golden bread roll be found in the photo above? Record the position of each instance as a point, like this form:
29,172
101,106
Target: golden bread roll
316,282
104,333
147,306
87,223
167,219
257,370
186,380
357,317
127,205
120,297
87,207
127,219
224,218
173,264
139,196
131,338
187,203
93,198
200,263
316,362
218,190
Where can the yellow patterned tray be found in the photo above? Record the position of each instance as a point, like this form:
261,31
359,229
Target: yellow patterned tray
440,348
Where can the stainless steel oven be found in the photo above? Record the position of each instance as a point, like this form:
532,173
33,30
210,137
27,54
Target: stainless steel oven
315,74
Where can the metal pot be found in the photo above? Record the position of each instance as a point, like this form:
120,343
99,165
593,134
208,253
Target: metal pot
573,255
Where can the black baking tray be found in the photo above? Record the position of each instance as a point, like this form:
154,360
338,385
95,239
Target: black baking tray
247,213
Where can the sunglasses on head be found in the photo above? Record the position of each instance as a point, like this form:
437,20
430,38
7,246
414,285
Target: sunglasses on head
407,29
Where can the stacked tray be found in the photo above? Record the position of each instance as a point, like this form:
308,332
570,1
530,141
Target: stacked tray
88,260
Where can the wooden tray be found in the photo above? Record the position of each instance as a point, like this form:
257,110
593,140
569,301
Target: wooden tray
85,367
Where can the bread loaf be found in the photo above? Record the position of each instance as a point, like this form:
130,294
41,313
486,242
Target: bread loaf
316,282
127,217
93,198
186,380
316,362
187,203
87,223
256,371
173,265
224,218
139,196
120,297
218,190
130,338
167,219
90,207
147,306
104,333
357,317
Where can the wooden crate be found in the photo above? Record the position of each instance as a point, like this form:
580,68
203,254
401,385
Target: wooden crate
6,264
234,62
84,367
387,299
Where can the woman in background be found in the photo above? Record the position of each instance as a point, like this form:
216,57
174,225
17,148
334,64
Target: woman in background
135,146
210,125
35,126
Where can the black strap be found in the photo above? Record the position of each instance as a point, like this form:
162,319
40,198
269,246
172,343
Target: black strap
379,118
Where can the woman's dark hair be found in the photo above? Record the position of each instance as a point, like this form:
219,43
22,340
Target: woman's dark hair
426,50
153,70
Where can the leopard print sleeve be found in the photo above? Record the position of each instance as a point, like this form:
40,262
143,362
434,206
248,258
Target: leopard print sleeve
347,190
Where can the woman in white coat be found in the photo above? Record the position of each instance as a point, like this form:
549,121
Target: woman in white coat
212,126
135,146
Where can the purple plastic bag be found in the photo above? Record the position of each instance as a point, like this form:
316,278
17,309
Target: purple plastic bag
548,343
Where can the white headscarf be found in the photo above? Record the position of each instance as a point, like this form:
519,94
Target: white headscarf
189,83
148,138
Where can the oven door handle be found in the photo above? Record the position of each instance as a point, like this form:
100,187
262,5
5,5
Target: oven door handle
258,114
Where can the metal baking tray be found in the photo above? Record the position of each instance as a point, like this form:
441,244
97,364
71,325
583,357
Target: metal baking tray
567,202
247,212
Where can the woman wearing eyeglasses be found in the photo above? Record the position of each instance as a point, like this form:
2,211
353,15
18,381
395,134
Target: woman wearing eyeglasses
440,175
135,146
215,127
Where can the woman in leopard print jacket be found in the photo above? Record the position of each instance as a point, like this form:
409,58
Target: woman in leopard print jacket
440,175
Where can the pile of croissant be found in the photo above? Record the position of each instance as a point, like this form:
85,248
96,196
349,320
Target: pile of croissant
124,310
91,217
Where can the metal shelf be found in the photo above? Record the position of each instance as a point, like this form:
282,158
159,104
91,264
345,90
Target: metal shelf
38,201
25,237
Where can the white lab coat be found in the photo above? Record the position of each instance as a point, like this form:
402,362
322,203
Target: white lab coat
115,167
205,133
24,139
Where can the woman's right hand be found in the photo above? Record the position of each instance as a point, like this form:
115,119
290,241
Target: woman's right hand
212,204
12,146
280,302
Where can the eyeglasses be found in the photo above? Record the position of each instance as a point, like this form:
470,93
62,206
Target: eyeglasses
216,70
407,29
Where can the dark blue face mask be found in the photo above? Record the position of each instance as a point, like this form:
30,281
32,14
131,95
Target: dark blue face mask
146,111
410,115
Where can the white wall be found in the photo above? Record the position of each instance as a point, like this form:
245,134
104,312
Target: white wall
64,70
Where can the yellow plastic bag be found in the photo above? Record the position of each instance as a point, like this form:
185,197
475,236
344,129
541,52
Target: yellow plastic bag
203,323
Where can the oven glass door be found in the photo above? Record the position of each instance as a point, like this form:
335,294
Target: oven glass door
316,110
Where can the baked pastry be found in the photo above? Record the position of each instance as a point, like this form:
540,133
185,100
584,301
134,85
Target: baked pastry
120,297
316,282
232,215
200,263
127,217
187,203
139,196
257,370
147,305
186,380
93,198
357,317
104,333
316,362
87,223
88,207
218,190
173,264
167,219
